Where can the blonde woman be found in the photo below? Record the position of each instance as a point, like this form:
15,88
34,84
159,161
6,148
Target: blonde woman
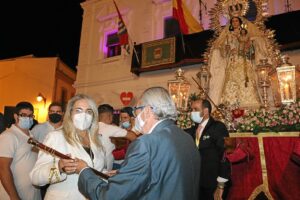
78,138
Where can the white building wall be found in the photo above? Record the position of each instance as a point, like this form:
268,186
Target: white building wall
105,78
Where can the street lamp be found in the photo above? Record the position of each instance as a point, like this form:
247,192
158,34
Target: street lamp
263,69
287,84
204,77
40,98
179,90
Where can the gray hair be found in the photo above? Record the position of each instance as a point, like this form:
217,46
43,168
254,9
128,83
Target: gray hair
160,101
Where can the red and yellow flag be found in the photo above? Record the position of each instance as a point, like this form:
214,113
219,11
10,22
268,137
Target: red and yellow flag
188,24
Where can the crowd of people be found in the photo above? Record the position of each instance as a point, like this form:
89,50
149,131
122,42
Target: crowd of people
146,156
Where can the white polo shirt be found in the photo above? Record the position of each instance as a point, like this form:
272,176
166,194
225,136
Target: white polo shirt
13,144
106,131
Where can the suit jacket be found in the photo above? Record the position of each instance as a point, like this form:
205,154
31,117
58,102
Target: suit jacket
162,165
211,149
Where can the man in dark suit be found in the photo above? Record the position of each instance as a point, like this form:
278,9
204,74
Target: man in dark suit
208,135
161,164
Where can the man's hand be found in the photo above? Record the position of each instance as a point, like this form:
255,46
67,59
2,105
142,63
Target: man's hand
218,193
131,136
80,165
112,172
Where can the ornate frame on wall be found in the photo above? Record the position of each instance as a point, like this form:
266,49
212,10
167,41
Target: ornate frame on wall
158,52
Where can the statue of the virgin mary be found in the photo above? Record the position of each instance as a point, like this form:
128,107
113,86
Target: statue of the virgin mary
233,57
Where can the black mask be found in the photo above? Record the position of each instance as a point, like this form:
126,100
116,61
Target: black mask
55,118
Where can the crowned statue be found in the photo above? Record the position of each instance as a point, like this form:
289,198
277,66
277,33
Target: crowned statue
234,54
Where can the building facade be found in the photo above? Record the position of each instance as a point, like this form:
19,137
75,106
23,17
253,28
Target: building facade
106,76
32,76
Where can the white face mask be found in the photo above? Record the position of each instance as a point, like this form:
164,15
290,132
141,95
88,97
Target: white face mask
25,122
139,123
196,116
82,121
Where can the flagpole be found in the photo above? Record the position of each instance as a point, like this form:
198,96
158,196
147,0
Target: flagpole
134,50
129,40
183,43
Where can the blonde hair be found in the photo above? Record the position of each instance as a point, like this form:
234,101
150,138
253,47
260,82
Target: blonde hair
70,132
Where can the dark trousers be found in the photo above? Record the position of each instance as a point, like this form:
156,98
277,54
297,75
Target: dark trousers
208,193
44,190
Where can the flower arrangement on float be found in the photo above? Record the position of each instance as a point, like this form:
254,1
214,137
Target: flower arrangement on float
184,120
284,118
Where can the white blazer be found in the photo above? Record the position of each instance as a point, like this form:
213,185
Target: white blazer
66,187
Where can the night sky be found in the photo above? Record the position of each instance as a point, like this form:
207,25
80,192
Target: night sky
44,28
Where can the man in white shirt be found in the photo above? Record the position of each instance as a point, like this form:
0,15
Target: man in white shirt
107,130
16,156
55,118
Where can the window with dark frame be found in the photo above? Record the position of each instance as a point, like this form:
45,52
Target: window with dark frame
113,45
171,27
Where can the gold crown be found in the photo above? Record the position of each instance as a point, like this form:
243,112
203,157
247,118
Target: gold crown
235,8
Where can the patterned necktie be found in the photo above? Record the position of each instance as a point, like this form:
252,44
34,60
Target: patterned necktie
198,135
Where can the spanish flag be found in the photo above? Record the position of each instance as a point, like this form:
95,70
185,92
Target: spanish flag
188,24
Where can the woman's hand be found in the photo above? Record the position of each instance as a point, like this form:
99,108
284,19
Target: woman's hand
67,166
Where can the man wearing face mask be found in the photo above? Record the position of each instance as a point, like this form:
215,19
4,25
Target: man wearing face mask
55,117
163,163
126,122
126,118
107,130
208,135
17,157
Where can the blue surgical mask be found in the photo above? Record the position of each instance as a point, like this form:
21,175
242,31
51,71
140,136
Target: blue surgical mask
126,124
196,116
25,122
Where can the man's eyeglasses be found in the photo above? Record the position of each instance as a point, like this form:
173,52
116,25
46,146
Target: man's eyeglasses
134,109
25,115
